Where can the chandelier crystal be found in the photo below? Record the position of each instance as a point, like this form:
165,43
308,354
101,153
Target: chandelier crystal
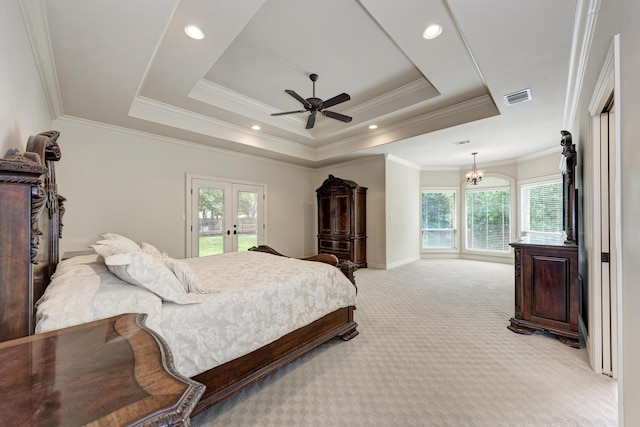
474,175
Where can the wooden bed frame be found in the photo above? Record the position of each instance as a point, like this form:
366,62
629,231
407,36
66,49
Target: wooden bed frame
30,229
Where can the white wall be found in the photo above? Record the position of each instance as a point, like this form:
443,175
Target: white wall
131,183
23,105
630,200
368,172
621,17
402,191
429,178
541,166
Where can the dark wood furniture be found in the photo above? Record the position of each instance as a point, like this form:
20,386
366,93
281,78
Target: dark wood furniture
342,225
31,209
231,377
111,372
22,282
546,288
546,270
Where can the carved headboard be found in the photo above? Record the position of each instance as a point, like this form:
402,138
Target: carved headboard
30,228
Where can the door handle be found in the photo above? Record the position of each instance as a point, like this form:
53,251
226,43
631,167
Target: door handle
228,232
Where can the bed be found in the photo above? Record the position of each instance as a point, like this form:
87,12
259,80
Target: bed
236,318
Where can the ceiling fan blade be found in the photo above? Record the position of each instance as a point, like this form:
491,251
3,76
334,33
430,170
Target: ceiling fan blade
337,116
288,112
299,98
335,100
311,120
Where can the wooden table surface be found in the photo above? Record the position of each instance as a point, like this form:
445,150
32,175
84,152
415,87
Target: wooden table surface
110,372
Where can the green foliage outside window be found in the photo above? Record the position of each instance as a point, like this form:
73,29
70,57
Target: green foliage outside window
542,207
488,220
438,219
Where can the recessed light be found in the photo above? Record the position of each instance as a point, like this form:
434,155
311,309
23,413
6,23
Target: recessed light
255,127
194,32
373,127
432,31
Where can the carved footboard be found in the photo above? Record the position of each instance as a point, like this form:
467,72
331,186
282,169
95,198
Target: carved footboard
347,267
231,377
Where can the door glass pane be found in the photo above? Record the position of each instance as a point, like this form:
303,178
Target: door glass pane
247,220
210,221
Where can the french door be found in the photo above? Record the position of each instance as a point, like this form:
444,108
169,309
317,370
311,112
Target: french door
224,216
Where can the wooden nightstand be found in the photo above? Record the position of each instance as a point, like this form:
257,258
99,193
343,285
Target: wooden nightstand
109,372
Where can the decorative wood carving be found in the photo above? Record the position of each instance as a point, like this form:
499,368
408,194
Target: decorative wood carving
518,290
61,211
38,199
569,187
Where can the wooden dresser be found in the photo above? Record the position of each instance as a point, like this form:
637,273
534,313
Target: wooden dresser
342,226
546,288
110,372
546,269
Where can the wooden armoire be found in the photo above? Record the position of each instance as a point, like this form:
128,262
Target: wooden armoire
342,225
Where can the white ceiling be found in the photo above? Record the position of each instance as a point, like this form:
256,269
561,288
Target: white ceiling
130,64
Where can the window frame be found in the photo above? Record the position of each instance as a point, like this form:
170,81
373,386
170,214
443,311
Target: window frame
456,221
512,211
549,179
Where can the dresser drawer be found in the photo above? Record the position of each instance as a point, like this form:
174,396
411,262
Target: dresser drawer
335,245
340,255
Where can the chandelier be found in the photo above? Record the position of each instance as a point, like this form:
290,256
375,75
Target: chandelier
474,175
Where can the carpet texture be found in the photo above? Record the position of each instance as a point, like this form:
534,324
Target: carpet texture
433,350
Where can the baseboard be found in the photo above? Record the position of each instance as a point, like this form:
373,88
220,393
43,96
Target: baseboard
402,262
440,255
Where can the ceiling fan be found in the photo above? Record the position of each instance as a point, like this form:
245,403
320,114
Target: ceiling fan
315,105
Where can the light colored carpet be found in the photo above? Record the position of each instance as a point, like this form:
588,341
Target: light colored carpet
433,350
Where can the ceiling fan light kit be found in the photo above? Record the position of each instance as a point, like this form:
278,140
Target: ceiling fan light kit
314,105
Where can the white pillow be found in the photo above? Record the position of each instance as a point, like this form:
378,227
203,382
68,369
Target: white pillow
143,270
122,241
186,276
106,248
148,248
181,269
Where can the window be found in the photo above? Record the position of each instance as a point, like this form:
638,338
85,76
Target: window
488,224
541,207
438,219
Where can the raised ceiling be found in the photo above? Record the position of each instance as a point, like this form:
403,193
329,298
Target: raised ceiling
130,64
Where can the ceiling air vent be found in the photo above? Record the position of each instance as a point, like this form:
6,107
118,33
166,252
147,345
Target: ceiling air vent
519,96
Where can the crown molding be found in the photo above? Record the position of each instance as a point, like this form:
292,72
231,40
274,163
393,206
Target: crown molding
127,132
401,130
584,27
218,96
165,114
35,21
402,162
555,150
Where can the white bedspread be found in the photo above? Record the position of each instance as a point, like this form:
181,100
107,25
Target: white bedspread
260,298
